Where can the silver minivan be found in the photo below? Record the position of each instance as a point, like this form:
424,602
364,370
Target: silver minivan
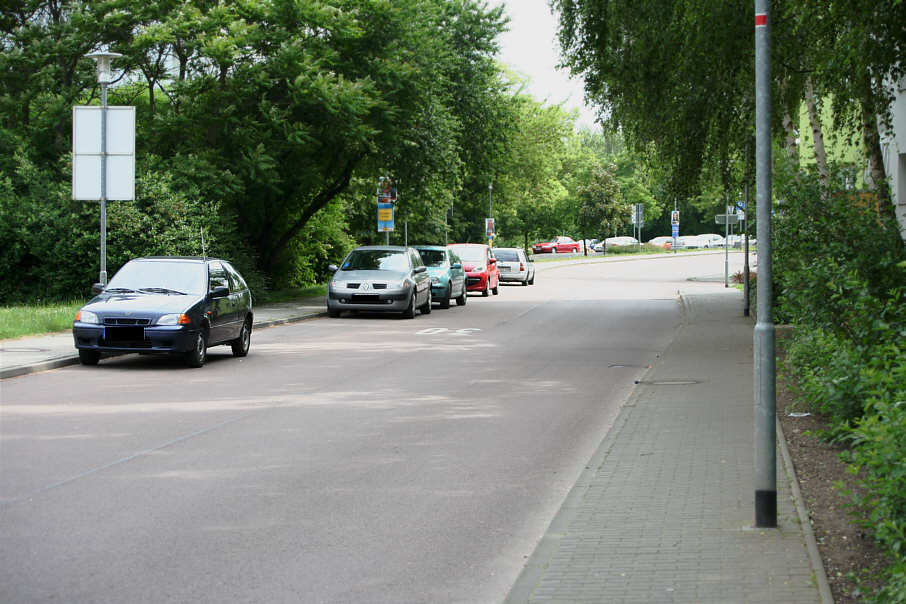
380,278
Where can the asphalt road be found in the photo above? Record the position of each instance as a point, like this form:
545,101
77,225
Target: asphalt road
361,459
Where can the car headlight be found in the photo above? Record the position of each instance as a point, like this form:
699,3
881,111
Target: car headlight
174,319
86,316
338,284
435,280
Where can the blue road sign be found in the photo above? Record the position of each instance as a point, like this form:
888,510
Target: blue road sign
384,217
675,230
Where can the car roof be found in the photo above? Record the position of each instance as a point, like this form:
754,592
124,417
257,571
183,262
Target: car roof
429,247
198,259
389,248
478,244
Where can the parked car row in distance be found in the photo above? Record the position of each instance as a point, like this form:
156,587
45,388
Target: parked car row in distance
401,279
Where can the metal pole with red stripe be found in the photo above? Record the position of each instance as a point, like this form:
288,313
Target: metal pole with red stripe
765,360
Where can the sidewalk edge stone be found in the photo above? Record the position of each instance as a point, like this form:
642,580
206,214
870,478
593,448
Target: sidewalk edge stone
811,544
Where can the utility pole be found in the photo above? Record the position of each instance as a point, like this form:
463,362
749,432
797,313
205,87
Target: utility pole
765,359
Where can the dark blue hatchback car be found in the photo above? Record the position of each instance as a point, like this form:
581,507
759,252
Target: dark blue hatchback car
167,304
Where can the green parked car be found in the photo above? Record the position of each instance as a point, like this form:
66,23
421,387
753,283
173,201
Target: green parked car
448,279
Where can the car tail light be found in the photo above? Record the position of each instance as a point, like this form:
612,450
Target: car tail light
521,266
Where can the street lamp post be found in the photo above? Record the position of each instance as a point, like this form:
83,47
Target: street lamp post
103,60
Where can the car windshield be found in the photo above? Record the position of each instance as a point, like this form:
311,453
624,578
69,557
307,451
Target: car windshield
433,257
176,276
471,253
376,260
506,255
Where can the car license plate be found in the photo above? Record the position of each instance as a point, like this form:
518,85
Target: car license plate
124,334
504,269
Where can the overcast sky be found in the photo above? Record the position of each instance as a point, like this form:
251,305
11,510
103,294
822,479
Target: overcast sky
531,48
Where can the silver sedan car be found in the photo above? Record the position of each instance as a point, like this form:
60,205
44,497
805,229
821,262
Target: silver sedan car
384,278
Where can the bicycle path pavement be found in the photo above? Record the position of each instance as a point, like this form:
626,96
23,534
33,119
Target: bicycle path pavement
664,511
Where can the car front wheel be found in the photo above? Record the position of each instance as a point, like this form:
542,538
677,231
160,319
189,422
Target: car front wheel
199,352
89,357
445,301
461,300
241,344
409,313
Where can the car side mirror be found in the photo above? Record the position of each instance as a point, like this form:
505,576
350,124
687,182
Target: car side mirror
492,261
419,269
97,288
333,267
221,291
456,265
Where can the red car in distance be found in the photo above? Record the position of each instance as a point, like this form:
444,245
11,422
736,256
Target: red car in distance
482,274
557,245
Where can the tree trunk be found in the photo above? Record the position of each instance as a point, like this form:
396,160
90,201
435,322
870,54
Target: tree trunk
814,117
872,140
789,140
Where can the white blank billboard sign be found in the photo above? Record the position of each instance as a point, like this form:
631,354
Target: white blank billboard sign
86,153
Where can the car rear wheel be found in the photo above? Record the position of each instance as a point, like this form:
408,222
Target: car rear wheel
199,352
487,289
445,301
553,250
89,357
532,280
496,288
241,344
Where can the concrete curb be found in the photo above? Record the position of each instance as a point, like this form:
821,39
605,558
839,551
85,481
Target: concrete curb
811,544
73,359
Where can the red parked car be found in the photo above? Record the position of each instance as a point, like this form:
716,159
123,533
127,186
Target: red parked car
557,245
482,274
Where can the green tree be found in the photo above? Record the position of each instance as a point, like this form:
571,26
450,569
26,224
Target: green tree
602,207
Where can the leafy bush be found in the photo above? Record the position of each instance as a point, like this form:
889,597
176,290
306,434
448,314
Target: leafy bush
826,246
49,243
839,277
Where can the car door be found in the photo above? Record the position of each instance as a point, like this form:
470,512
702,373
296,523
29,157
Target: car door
422,278
220,310
493,269
457,275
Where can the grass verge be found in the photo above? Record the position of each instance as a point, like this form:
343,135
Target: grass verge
287,295
18,321
36,319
